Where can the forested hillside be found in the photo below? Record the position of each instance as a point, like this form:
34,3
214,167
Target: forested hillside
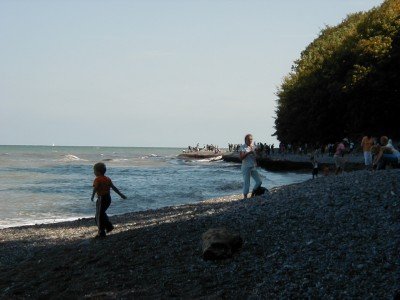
346,82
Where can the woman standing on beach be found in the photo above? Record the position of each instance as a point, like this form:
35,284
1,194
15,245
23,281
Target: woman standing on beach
366,143
248,158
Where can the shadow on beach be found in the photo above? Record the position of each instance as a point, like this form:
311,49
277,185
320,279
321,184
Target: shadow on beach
330,237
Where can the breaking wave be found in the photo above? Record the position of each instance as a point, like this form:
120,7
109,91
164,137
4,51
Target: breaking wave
70,157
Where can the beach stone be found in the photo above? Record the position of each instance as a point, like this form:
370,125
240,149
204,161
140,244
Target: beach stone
219,243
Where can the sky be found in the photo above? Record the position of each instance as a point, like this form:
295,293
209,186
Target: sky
166,73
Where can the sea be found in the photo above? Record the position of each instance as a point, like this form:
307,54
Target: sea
47,184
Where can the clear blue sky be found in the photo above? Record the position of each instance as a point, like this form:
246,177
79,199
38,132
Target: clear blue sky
151,73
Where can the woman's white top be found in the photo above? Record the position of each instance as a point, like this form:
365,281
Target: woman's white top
250,160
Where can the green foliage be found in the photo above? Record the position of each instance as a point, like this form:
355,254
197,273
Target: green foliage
345,82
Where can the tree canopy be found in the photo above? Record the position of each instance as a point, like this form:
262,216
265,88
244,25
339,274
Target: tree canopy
346,82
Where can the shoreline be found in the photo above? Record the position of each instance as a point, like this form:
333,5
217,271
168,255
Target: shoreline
335,236
296,162
44,222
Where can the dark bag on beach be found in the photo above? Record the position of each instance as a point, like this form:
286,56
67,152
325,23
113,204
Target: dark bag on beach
259,191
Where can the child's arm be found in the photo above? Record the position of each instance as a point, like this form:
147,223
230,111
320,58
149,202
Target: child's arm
117,191
94,192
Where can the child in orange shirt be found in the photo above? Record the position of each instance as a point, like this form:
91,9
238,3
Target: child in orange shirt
101,186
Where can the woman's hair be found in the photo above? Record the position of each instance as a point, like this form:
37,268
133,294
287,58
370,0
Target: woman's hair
247,136
100,168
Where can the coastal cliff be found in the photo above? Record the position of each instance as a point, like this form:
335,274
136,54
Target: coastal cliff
332,237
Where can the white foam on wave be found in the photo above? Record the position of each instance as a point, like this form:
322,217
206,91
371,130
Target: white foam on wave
116,159
71,157
18,222
149,156
210,159
216,158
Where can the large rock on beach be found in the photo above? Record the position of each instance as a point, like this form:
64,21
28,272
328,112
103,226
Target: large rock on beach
219,243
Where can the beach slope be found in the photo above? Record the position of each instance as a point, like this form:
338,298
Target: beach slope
333,237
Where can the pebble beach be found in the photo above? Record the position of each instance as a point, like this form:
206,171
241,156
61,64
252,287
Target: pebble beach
328,238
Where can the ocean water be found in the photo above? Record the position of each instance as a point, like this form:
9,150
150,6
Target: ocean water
45,184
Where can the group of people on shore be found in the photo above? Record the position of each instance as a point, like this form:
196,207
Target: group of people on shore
212,148
313,149
377,155
260,147
295,149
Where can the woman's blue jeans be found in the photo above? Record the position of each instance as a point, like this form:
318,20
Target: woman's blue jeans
247,172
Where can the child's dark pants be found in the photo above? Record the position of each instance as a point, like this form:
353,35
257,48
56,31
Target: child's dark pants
314,172
102,221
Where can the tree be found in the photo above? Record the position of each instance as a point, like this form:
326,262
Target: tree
345,82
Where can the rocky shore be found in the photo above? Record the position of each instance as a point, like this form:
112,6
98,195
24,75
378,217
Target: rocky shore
335,237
